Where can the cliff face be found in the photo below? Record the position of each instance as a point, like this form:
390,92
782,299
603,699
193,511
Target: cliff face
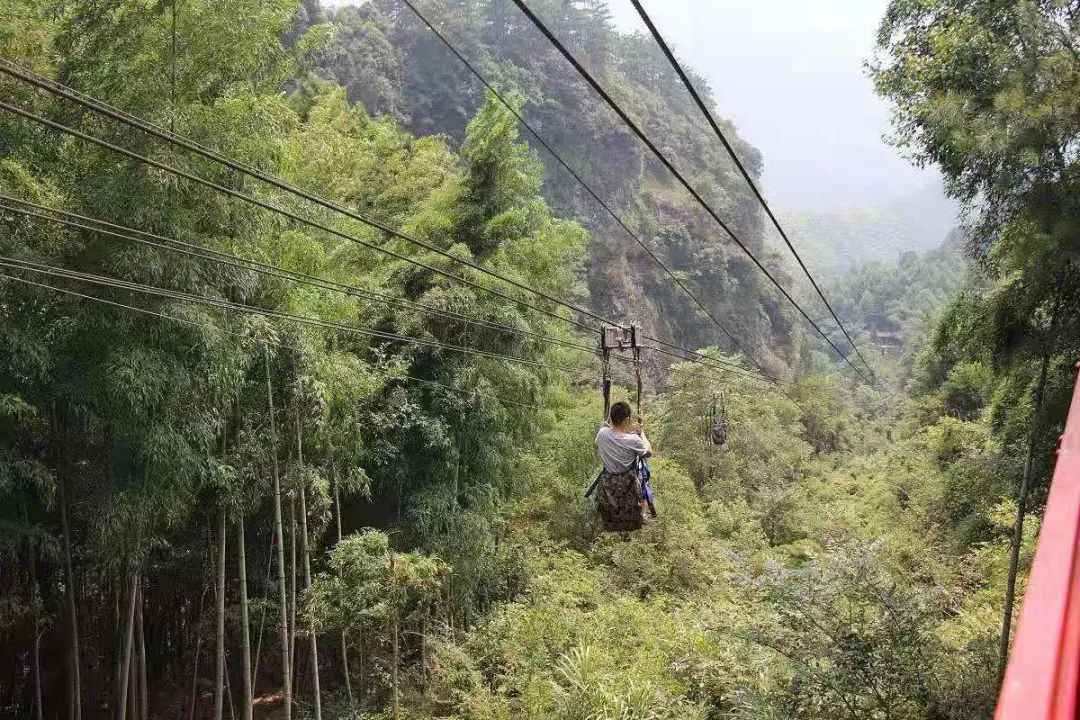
393,65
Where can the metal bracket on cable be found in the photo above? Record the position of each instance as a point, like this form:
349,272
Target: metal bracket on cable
619,339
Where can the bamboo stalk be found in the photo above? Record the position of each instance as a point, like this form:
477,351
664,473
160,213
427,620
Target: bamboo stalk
35,603
1025,485
285,656
262,619
245,630
219,675
344,644
292,588
125,664
198,651
75,700
313,638
396,633
144,691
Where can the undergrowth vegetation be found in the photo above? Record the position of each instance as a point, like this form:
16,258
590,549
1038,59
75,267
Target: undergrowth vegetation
263,457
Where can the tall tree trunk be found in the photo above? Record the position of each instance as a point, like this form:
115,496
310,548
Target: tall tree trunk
262,620
198,654
195,674
75,703
282,601
344,644
228,694
396,631
219,675
38,712
313,639
125,662
1025,485
292,587
133,682
241,572
35,606
144,690
245,631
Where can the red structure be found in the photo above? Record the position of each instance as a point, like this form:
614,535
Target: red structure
1044,668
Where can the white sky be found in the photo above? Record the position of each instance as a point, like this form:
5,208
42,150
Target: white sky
790,74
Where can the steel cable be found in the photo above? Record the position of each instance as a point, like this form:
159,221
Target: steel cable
742,170
588,77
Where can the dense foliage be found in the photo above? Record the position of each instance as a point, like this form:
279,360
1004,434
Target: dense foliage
987,91
392,64
837,241
893,305
202,505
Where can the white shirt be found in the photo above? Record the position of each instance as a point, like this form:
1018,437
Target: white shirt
619,451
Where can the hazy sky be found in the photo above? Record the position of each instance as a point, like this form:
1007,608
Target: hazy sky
790,74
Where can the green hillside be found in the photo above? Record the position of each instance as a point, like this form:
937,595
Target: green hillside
298,404
393,65
832,242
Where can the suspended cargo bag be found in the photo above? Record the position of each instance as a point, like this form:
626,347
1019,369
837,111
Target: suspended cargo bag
618,499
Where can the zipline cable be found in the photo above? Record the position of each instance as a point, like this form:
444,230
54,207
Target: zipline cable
588,189
727,367
675,173
194,323
259,203
717,361
102,108
742,169
84,222
158,241
106,281
59,127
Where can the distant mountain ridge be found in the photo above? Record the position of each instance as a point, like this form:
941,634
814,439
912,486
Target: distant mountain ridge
393,66
834,242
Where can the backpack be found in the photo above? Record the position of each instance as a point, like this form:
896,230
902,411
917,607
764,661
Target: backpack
618,499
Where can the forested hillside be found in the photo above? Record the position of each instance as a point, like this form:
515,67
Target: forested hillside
392,64
894,304
298,395
841,240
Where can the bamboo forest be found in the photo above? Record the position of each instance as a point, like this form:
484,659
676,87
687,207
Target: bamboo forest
322,326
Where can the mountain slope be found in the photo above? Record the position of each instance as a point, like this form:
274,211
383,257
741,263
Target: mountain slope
393,65
834,242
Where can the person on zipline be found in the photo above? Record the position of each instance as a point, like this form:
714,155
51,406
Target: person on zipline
621,495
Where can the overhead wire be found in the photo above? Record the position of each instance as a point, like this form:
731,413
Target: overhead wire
729,367
170,244
173,138
588,77
102,227
250,199
7,68
703,370
173,318
742,169
99,107
106,281
588,189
